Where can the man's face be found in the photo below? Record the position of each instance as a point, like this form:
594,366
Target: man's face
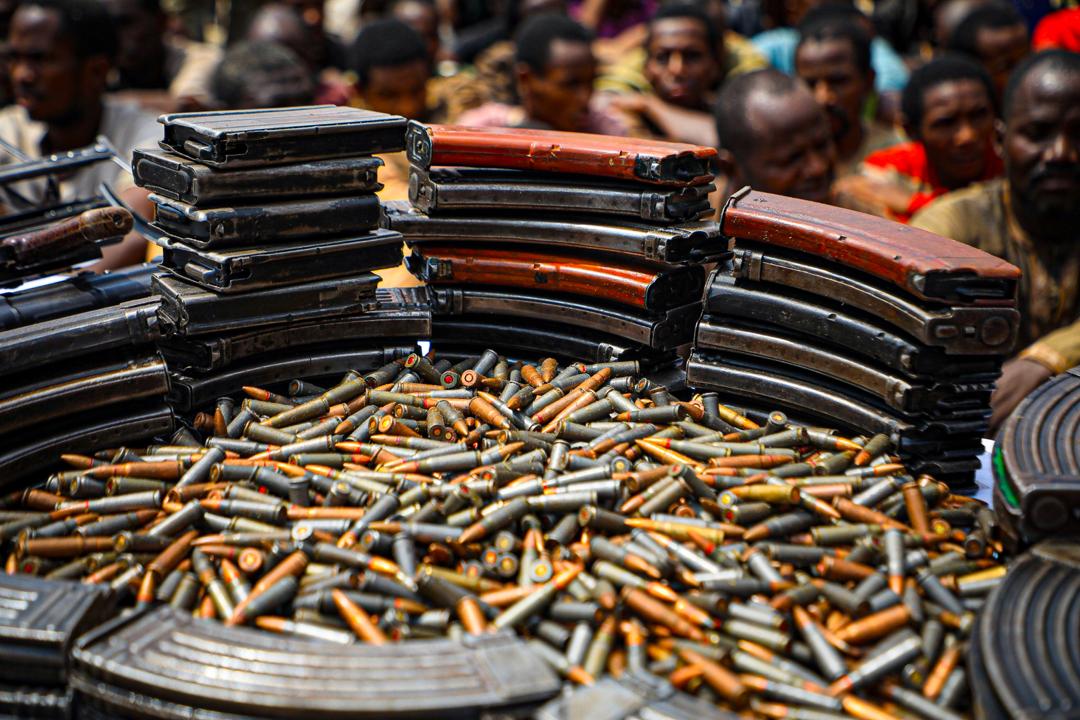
1042,147
681,66
400,90
559,97
793,152
829,68
1000,50
46,75
957,129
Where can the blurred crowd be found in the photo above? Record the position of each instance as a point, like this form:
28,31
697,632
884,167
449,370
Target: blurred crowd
957,116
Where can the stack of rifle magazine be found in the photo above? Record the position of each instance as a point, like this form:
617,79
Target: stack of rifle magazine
861,323
73,374
575,240
270,228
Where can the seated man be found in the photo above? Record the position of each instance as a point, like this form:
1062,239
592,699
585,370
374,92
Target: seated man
833,58
281,24
1031,218
555,70
149,59
778,44
61,53
682,65
261,74
774,137
948,112
393,72
390,61
996,37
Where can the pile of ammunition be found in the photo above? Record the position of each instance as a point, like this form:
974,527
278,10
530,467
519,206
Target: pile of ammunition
558,230
759,564
268,216
860,323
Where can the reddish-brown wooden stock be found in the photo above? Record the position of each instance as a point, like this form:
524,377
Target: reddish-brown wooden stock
899,254
566,152
625,285
61,238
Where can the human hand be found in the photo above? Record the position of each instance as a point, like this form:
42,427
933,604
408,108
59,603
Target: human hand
1019,377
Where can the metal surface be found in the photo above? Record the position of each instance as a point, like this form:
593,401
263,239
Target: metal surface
27,456
654,330
760,386
537,338
253,268
931,323
1037,462
272,222
566,152
178,178
165,663
190,310
82,391
73,295
896,392
647,286
1029,652
57,163
449,190
696,242
396,318
128,324
274,136
922,263
191,392
843,328
40,621
634,695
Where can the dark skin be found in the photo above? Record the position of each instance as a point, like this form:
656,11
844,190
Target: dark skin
397,90
839,86
140,57
424,19
559,96
681,65
64,91
1042,161
791,153
1000,50
957,127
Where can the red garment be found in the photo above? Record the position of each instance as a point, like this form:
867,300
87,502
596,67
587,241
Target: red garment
1060,29
908,162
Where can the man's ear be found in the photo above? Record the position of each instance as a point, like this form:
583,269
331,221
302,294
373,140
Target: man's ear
999,137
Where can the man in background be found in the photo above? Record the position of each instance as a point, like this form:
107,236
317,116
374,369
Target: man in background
949,111
774,137
996,37
833,58
555,70
61,55
1031,218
